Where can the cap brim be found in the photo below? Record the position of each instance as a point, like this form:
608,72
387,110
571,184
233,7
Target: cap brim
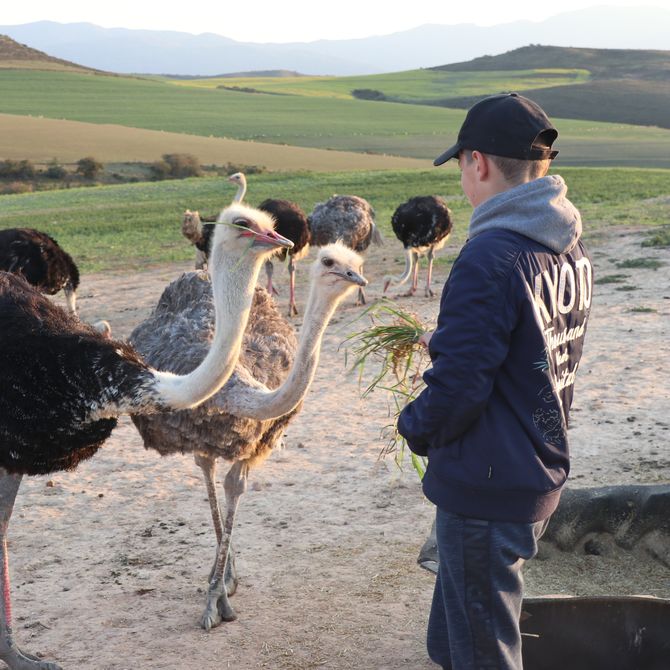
447,155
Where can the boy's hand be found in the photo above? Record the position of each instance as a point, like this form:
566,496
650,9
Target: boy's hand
424,339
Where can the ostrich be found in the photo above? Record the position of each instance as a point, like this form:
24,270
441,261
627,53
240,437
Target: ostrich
291,223
200,235
65,384
40,259
244,421
349,219
423,225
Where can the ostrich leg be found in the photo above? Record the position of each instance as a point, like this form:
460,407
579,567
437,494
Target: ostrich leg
207,464
218,608
431,255
415,276
269,271
292,308
361,293
9,652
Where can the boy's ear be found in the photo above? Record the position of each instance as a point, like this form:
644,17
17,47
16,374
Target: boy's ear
482,165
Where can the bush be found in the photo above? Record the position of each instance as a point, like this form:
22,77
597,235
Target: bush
88,167
160,170
368,94
183,165
55,170
21,170
16,187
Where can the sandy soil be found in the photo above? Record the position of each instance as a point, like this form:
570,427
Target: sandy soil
109,563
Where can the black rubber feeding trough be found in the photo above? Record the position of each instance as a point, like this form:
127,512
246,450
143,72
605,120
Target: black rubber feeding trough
596,633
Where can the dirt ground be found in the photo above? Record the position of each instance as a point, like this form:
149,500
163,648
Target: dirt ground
109,563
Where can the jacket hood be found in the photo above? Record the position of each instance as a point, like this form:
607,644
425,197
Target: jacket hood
538,209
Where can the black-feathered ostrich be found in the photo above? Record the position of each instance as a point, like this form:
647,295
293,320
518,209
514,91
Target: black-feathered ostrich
422,224
40,259
245,420
64,384
345,218
290,222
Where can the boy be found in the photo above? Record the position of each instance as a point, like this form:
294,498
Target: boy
493,416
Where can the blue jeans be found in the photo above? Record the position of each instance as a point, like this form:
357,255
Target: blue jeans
474,618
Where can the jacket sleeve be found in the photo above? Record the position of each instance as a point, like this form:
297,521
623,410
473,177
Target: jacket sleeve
469,345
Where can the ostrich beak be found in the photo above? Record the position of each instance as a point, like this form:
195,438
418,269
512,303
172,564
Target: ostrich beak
269,238
351,276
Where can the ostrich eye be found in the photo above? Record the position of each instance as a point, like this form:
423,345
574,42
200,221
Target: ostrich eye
328,262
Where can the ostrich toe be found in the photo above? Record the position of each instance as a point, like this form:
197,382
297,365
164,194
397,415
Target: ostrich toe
217,609
19,660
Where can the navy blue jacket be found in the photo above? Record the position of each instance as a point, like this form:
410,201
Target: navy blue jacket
493,416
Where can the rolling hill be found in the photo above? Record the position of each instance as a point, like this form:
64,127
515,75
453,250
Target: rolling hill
625,86
16,55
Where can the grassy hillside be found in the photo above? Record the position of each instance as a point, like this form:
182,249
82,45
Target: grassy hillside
16,55
132,226
601,63
349,125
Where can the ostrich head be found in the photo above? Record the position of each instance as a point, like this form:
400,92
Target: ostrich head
191,227
247,229
240,181
336,270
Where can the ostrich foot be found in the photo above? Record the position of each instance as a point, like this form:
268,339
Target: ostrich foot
20,660
429,293
408,294
217,609
292,309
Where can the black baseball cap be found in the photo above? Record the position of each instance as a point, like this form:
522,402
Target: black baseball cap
506,125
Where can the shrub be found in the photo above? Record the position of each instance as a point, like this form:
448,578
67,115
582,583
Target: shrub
16,187
160,170
89,167
55,170
183,165
368,94
21,170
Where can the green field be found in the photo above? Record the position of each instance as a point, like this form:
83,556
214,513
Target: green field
137,225
418,86
325,123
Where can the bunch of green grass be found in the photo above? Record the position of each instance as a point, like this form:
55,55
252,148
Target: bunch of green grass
391,344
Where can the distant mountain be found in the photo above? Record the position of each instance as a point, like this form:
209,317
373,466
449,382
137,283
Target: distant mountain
158,52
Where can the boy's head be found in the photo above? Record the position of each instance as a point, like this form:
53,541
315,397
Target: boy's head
506,125
508,138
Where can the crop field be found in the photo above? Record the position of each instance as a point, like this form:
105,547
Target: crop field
131,226
415,131
410,86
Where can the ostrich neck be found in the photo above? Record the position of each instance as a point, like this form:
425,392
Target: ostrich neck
262,404
241,192
233,282
410,259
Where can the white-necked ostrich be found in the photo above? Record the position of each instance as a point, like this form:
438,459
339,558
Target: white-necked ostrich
290,222
65,384
41,260
245,420
348,219
422,224
200,235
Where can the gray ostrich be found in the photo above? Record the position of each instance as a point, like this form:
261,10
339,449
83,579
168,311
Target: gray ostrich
348,219
244,421
65,384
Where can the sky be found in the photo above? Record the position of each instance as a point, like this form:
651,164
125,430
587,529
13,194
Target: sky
292,20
